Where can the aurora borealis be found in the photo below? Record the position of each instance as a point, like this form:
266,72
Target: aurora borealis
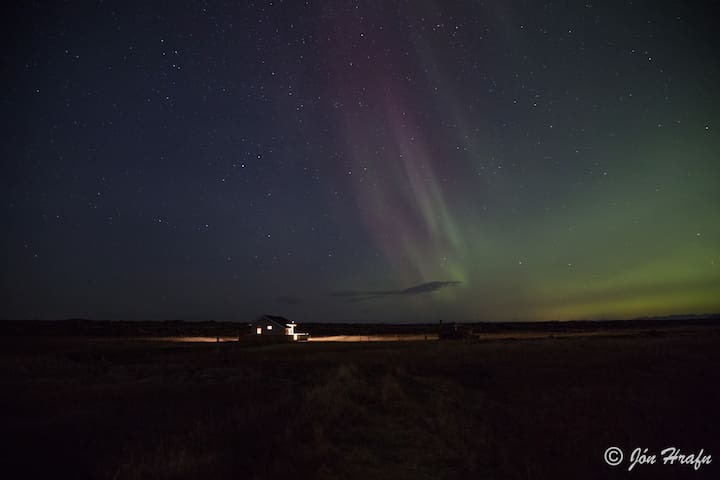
521,160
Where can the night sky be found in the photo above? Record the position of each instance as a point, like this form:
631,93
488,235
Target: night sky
360,161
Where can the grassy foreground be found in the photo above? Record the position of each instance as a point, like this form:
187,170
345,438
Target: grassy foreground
519,409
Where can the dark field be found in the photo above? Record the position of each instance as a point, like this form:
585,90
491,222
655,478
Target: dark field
502,408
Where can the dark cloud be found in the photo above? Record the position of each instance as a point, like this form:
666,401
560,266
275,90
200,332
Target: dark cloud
287,300
356,295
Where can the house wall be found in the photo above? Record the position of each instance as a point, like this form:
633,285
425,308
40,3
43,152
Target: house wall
263,324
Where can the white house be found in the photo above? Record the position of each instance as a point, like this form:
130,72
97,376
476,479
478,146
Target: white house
275,325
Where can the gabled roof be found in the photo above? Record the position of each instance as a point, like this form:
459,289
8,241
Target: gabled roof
276,319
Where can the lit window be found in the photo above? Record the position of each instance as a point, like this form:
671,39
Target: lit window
269,327
259,330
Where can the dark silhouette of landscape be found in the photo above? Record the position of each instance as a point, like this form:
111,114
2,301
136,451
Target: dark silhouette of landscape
506,400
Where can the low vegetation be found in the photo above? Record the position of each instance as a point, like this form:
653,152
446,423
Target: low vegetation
518,409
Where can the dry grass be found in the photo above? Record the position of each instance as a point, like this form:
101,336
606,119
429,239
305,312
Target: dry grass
513,409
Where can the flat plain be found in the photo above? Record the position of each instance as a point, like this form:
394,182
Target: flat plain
504,407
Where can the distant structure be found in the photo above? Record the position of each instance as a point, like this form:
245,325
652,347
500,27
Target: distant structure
455,331
276,326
